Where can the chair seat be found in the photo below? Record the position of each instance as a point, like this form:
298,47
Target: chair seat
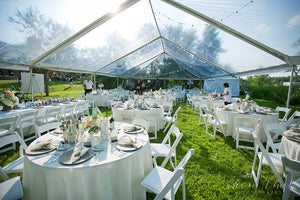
295,187
157,179
277,145
15,166
11,189
4,132
160,150
166,118
275,157
246,130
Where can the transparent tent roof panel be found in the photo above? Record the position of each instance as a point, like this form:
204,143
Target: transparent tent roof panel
134,59
208,42
45,29
116,38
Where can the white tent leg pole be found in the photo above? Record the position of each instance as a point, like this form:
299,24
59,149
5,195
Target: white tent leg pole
31,84
290,87
95,81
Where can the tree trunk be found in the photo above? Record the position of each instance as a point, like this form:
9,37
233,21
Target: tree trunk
46,84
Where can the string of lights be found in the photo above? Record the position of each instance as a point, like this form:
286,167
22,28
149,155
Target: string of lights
237,11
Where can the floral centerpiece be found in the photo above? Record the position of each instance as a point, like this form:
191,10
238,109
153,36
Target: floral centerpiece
7,99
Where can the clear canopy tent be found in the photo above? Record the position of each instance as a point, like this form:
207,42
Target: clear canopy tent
146,39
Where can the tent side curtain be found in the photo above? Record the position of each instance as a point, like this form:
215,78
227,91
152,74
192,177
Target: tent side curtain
216,85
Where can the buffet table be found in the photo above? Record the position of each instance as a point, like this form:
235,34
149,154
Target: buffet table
112,174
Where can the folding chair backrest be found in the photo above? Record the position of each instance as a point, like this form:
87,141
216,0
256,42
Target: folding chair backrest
242,121
185,159
167,139
286,112
13,138
175,130
265,155
8,123
211,115
28,116
53,112
46,127
277,129
291,166
141,122
295,118
175,114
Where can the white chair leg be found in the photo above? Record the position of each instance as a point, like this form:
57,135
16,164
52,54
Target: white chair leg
183,187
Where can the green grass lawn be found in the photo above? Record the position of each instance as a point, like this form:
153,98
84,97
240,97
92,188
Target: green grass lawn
216,170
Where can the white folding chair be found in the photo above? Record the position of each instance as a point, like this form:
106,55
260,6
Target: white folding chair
172,119
51,115
8,126
11,189
168,108
202,114
294,120
68,112
79,109
276,130
167,148
27,120
292,178
244,131
284,110
151,116
212,119
165,183
189,100
141,122
46,127
16,165
273,160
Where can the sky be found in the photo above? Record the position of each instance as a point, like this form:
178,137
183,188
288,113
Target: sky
275,23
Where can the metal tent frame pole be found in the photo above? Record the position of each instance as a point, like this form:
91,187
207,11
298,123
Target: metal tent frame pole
30,74
290,86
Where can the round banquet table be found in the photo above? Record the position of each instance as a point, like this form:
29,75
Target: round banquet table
289,147
231,116
121,113
116,175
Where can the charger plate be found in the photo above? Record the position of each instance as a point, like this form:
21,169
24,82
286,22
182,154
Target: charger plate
65,158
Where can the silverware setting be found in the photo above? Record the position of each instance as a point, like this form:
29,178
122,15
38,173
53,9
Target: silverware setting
53,157
96,157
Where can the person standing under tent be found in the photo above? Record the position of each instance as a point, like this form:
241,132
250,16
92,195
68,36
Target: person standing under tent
157,84
101,85
88,85
227,94
138,87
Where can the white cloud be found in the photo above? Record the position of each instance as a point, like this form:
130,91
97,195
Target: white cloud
263,29
295,21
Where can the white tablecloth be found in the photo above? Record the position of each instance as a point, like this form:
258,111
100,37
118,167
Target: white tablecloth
231,116
120,113
290,148
41,110
114,177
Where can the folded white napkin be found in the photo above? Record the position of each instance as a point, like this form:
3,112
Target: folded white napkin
78,153
128,141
